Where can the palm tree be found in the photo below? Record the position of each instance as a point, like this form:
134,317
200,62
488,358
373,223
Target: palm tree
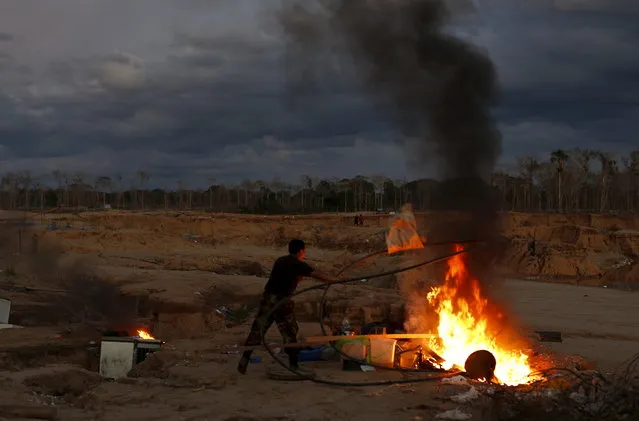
528,166
583,158
559,158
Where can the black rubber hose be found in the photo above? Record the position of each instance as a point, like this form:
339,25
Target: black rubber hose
406,251
345,281
369,256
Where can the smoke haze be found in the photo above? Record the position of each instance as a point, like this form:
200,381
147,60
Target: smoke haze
437,88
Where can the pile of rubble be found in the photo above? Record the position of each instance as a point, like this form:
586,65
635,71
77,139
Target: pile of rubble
568,393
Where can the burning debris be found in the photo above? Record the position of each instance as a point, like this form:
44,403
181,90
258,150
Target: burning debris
403,232
466,323
143,334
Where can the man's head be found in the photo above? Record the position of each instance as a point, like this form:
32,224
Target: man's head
297,248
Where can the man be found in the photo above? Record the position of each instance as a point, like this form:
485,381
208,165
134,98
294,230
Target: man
286,274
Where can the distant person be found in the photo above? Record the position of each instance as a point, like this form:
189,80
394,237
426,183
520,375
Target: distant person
361,219
356,220
286,274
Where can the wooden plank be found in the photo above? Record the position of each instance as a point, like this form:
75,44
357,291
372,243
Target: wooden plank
315,340
324,339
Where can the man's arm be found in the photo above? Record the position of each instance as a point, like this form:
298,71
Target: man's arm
308,270
316,274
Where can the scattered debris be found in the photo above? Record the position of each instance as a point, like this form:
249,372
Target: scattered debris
465,397
453,414
574,394
224,312
455,380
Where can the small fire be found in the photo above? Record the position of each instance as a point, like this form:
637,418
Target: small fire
403,232
464,314
144,334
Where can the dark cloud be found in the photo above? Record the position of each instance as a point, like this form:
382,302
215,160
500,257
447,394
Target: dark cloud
189,95
595,6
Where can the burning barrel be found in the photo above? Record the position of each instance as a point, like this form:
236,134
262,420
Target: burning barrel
480,365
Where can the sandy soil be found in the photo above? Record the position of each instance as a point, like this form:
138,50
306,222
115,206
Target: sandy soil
600,324
180,267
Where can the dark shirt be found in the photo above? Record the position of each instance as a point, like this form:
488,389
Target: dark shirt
287,272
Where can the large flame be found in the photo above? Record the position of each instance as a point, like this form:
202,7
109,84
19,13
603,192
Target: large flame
464,325
464,315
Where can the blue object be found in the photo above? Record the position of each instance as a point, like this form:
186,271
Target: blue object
256,359
314,354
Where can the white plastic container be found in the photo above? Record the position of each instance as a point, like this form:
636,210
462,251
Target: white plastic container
382,352
119,355
356,349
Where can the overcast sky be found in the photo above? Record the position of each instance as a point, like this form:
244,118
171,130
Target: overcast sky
193,90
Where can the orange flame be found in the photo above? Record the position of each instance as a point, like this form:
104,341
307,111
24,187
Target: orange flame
144,334
464,319
464,322
403,232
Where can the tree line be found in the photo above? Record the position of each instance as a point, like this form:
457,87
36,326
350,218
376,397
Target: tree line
578,180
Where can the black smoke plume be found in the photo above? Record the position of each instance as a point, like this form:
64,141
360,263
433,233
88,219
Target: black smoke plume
438,88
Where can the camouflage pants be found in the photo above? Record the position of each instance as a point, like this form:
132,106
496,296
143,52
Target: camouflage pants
284,318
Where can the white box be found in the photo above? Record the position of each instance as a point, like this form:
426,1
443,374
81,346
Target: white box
5,310
118,355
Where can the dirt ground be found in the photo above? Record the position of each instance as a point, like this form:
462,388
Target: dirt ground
176,269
